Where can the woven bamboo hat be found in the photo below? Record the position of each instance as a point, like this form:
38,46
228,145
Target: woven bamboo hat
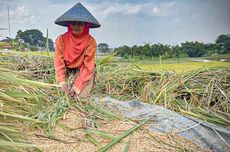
78,13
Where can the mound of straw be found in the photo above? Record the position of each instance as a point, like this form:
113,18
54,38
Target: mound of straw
27,101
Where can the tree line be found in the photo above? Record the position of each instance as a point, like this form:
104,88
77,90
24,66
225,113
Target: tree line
187,49
33,40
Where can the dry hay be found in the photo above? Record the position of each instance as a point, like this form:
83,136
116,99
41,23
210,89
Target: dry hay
34,67
203,93
124,83
73,139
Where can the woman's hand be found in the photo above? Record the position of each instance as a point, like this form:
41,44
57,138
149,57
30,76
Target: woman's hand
64,87
73,93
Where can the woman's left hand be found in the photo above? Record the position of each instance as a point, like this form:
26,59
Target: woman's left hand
71,92
77,97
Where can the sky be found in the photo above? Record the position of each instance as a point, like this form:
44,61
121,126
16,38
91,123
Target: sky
126,22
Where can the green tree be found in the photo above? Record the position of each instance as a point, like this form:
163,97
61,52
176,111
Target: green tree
146,50
223,41
103,47
51,44
212,48
194,49
34,38
123,51
176,51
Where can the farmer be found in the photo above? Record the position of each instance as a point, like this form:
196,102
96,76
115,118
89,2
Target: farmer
75,52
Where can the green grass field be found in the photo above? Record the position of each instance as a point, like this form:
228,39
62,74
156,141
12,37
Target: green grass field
182,67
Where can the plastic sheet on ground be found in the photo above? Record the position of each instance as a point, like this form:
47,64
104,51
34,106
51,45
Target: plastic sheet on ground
202,133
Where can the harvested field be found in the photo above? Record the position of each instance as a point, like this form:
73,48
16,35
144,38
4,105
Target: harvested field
32,103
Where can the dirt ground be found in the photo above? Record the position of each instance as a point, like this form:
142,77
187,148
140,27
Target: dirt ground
69,136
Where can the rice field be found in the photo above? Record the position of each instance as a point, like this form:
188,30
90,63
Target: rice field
183,67
5,45
177,65
36,116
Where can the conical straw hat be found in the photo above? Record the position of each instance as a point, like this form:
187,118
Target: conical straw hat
78,13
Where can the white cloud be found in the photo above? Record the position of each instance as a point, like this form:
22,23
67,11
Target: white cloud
20,13
155,10
165,21
152,9
165,9
122,9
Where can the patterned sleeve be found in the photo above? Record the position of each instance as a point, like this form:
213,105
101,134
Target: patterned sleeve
59,63
88,67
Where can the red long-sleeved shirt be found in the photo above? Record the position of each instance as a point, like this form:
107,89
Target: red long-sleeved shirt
86,62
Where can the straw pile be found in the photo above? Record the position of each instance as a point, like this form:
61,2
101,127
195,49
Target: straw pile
30,65
27,103
204,93
34,106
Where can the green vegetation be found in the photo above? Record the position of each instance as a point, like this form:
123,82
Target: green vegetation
103,47
34,38
21,102
29,40
181,68
187,49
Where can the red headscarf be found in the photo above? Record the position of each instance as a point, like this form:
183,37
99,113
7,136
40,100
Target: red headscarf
74,45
